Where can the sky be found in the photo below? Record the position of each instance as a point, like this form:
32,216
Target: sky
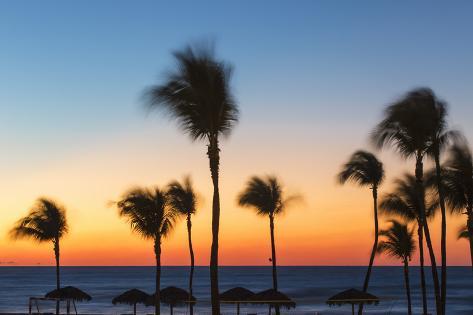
311,80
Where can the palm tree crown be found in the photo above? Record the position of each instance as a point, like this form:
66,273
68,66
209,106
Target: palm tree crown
457,177
412,123
197,94
265,195
362,168
398,241
181,197
45,222
403,202
147,212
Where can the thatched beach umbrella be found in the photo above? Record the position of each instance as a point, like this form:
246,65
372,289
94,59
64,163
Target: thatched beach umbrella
236,296
272,298
353,297
131,297
69,294
172,296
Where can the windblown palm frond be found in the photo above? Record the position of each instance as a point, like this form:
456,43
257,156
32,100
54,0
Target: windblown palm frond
363,168
265,195
463,233
411,124
147,212
403,201
197,93
45,222
398,241
181,197
457,177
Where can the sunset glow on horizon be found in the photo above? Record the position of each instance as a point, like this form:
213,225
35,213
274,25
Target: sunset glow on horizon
73,126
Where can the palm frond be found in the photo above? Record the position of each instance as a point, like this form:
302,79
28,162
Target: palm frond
266,196
148,212
182,197
362,168
397,241
46,221
197,93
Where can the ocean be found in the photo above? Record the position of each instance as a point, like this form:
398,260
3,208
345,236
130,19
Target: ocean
309,287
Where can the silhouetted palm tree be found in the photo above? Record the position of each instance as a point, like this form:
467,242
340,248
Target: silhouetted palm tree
399,243
364,169
457,178
149,216
409,125
403,202
183,200
198,95
266,196
46,222
437,110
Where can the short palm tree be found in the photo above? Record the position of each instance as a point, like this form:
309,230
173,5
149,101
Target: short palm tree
403,202
149,215
457,178
398,242
182,199
364,169
198,95
46,222
266,196
410,125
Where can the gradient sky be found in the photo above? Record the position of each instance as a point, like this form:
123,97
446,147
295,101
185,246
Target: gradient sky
311,79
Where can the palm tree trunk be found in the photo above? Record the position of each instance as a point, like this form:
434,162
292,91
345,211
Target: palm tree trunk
191,252
375,245
58,278
470,234
214,160
273,252
420,234
408,289
273,257
419,173
157,252
443,241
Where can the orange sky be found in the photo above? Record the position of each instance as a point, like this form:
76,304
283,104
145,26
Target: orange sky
332,227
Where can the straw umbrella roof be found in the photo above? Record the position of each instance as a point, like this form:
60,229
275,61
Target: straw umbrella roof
131,297
172,296
272,297
69,293
352,296
236,295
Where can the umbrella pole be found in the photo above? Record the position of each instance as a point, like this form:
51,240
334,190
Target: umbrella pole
134,309
238,308
75,308
68,307
171,310
353,309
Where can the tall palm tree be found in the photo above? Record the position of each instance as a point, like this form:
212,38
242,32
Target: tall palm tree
46,222
441,136
457,179
198,95
182,199
399,243
409,125
364,169
403,202
266,196
149,216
